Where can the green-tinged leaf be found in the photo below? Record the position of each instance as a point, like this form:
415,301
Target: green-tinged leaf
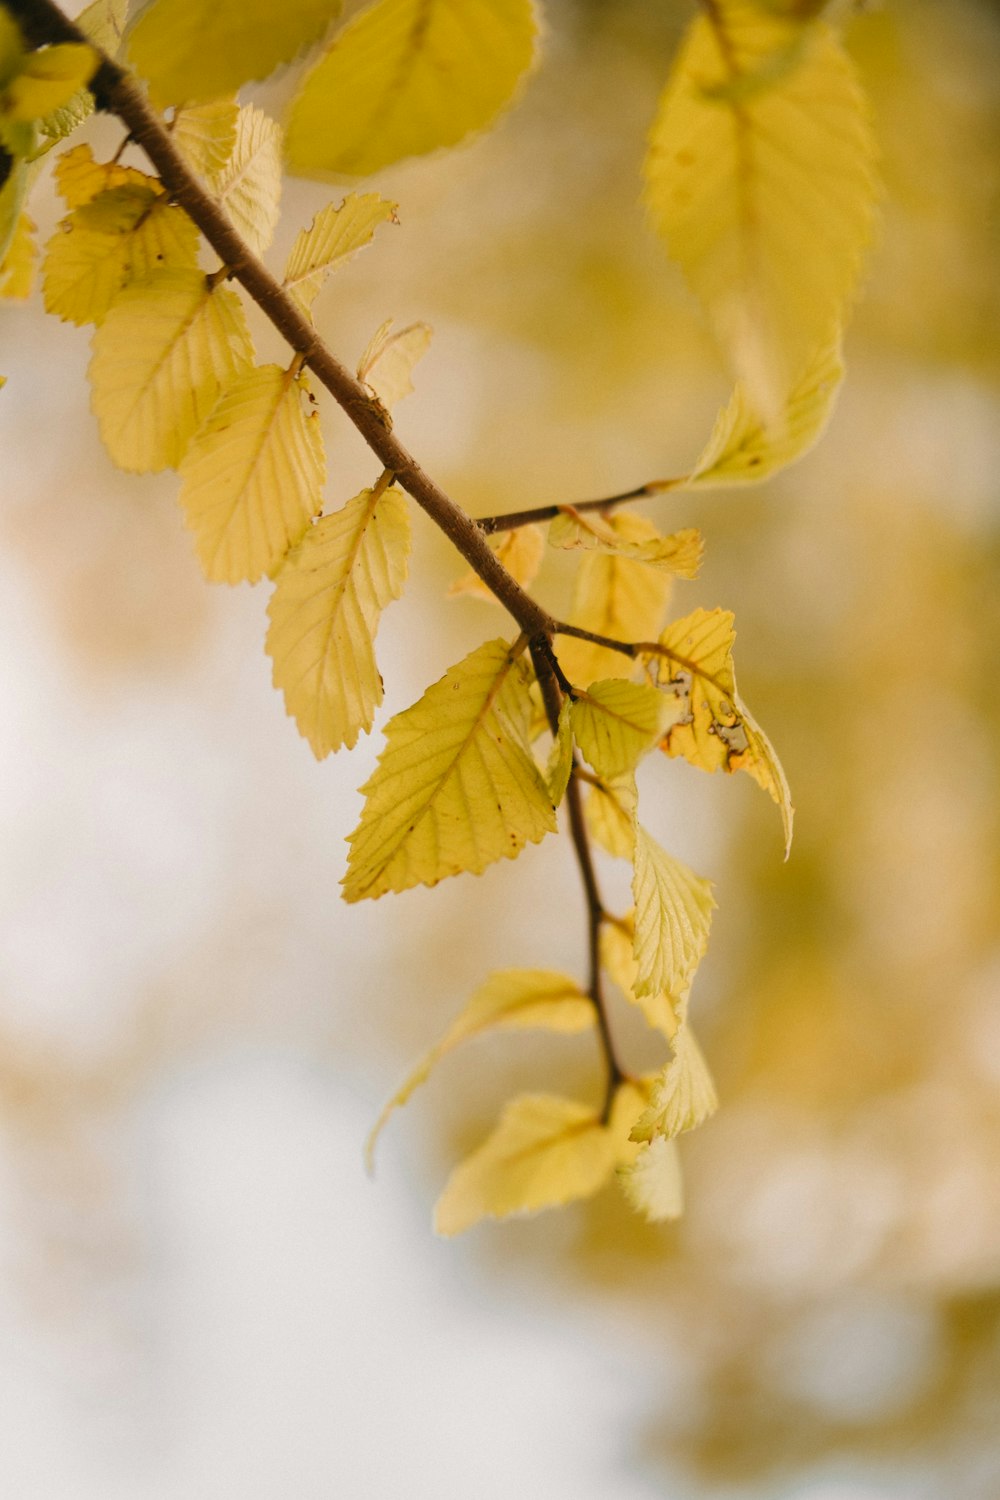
456,787
682,1097
205,135
17,267
252,479
328,599
190,52
80,178
335,234
610,813
520,550
760,177
663,1012
390,359
560,763
513,1000
164,352
119,236
103,23
11,204
616,723
715,730
743,449
47,81
408,76
544,1152
653,1184
617,597
679,554
249,186
673,914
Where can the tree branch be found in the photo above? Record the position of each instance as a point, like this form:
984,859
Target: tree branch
43,22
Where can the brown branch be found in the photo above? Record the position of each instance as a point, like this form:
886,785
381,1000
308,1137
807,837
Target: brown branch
625,648
43,22
545,670
492,524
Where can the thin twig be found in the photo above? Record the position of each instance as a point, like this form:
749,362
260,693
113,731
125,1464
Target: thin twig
492,524
625,648
596,913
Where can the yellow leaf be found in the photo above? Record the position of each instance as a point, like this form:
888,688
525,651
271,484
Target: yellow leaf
761,179
249,187
616,597
190,52
80,178
252,479
17,268
544,1152
682,1097
653,1185
744,450
662,1011
560,764
329,596
715,730
673,914
679,554
332,238
456,787
119,236
48,79
513,1000
610,813
103,23
408,76
520,550
616,723
164,352
11,200
205,135
390,359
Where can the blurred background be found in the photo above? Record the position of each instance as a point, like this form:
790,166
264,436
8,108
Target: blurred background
201,1294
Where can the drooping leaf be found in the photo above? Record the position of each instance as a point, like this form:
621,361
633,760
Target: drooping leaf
249,186
653,1184
616,723
673,914
520,550
12,193
760,177
80,178
715,730
743,449
252,479
560,763
456,787
116,237
378,94
610,812
679,554
513,1000
682,1097
390,359
103,23
663,1011
617,597
205,135
166,349
17,267
190,53
329,596
334,235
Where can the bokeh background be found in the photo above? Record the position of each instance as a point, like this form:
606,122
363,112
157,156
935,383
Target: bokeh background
201,1294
